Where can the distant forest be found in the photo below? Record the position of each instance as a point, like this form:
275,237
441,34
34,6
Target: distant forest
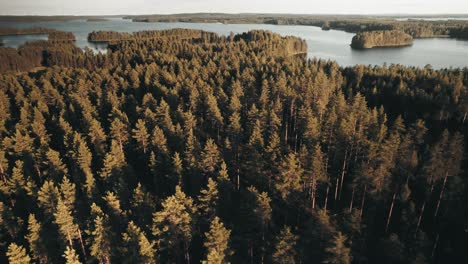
183,146
417,28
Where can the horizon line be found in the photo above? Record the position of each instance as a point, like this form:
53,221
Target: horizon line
239,13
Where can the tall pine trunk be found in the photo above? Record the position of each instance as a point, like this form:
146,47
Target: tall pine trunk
363,201
441,194
420,217
390,212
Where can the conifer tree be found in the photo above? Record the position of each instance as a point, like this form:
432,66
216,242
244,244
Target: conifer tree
174,224
48,197
289,178
101,239
119,132
138,249
208,200
71,256
338,252
140,134
285,247
217,243
36,243
210,157
177,167
64,220
56,168
68,193
17,254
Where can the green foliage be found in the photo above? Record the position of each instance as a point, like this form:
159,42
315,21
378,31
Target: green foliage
216,243
71,256
17,254
144,147
173,225
338,252
138,249
285,247
289,179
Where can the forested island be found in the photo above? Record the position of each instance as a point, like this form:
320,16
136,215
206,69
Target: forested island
182,146
381,39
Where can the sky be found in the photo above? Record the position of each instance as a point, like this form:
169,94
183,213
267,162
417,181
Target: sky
134,7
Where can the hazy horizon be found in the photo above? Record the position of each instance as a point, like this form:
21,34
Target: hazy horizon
147,7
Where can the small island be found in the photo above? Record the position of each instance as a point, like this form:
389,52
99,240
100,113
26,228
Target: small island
381,39
96,19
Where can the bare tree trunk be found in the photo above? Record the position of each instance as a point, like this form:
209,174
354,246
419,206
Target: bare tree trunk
251,252
70,242
435,246
352,200
326,197
238,178
363,200
336,187
314,191
390,212
420,217
286,134
343,171
187,253
441,194
81,242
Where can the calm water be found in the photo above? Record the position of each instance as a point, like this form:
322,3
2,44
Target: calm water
333,45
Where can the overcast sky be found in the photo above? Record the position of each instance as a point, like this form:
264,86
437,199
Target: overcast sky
112,7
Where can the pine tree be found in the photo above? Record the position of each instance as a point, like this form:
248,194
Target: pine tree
71,256
17,183
36,243
216,243
119,132
289,178
67,189
177,168
208,200
113,203
56,168
210,157
285,252
101,239
173,225
17,254
48,197
140,134
113,171
138,249
64,220
338,252
317,172
83,157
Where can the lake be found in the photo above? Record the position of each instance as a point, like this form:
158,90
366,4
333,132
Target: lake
333,44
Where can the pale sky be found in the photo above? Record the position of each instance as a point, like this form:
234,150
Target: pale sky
113,7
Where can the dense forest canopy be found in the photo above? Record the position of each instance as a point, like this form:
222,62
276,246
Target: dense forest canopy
183,146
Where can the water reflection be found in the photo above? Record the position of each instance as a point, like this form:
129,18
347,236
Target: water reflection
14,41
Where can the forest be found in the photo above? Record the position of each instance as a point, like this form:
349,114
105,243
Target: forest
184,146
379,39
417,28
